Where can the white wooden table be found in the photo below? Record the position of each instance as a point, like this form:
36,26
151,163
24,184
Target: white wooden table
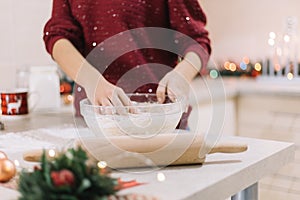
221,176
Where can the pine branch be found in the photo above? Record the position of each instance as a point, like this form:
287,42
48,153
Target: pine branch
67,177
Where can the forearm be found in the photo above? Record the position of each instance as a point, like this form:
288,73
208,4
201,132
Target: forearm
190,66
74,64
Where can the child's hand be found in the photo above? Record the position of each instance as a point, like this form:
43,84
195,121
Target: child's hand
107,94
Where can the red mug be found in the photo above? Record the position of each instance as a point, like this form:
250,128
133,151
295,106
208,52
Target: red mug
14,102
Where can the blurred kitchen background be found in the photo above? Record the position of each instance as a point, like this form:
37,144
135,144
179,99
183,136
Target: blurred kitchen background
255,49
239,30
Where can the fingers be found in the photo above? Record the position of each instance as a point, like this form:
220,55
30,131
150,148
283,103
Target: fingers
172,94
161,90
124,98
105,102
116,102
174,85
126,102
118,105
107,94
115,98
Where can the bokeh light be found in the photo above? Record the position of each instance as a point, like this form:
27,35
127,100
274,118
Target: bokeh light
17,163
226,65
243,66
272,35
101,164
277,67
257,67
246,60
51,153
213,73
290,76
232,67
271,42
161,177
286,38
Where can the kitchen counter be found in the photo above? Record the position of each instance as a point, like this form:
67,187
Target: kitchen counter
221,176
231,87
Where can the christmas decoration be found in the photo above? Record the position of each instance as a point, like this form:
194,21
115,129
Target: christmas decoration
65,87
67,99
63,178
245,68
7,170
2,155
69,176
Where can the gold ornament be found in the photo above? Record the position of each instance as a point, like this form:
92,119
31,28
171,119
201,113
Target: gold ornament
7,170
2,155
67,99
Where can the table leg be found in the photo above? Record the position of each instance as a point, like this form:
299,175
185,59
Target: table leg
250,193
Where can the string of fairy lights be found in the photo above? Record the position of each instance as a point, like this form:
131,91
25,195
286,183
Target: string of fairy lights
242,68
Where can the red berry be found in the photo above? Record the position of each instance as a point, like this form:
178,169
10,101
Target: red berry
67,176
62,178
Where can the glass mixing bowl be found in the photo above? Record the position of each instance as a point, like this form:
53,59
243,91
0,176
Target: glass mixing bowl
144,118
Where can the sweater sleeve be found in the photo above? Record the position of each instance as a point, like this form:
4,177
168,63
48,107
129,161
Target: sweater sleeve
62,25
187,17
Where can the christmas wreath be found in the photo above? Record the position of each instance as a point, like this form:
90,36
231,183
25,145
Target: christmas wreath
67,177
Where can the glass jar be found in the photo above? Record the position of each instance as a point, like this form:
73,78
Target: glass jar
44,81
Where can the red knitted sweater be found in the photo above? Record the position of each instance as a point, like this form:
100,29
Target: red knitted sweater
87,23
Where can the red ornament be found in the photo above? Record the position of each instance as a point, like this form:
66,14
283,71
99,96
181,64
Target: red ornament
65,88
62,178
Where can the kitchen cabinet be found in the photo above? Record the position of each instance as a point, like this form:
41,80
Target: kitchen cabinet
274,116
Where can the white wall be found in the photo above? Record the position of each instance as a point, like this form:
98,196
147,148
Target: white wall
22,27
241,27
237,28
21,42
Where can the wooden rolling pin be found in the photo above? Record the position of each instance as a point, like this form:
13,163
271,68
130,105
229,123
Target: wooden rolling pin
166,149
